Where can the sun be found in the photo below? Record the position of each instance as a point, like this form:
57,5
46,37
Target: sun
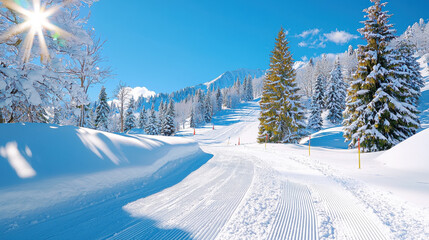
36,23
37,19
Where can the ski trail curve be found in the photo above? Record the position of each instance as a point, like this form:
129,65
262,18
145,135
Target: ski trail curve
198,207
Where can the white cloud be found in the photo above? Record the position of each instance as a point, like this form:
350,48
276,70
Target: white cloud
312,39
310,32
339,37
314,43
136,93
141,91
302,44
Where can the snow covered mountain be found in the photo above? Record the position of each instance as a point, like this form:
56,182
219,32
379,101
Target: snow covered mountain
225,80
228,78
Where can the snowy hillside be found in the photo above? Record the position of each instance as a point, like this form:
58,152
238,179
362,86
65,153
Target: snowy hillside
50,172
30,152
411,154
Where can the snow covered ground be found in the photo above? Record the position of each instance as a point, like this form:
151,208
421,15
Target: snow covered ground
237,189
67,182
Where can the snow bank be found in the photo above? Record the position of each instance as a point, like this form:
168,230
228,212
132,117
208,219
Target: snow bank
30,152
410,155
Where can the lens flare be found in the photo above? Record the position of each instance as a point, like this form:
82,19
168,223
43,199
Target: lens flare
36,21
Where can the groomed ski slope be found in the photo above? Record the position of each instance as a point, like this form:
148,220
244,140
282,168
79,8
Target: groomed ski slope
246,191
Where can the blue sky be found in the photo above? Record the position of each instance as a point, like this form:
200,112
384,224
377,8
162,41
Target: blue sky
171,44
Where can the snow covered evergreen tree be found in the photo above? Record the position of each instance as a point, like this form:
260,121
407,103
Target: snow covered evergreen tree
142,119
237,90
323,69
315,121
102,111
219,100
130,120
408,68
336,94
192,120
199,107
162,117
208,108
319,91
91,115
248,89
152,123
377,110
169,128
281,112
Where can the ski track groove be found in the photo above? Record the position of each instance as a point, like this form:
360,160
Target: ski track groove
204,218
296,217
348,217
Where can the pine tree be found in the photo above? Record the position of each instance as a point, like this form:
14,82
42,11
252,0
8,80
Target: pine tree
170,127
152,124
249,89
244,93
208,108
102,111
322,70
319,92
192,120
219,100
377,110
281,113
89,116
315,121
143,119
336,94
237,89
130,120
162,118
409,69
199,108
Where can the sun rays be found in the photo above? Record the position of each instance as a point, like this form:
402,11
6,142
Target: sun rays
36,22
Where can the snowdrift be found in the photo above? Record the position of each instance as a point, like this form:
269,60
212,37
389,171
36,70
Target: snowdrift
410,155
30,152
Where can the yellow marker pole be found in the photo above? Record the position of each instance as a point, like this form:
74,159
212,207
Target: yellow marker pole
266,140
309,143
359,151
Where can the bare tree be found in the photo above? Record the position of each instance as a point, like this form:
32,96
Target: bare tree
87,69
122,92
305,78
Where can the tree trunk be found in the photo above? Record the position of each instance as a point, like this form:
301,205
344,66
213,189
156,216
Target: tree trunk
82,116
122,116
